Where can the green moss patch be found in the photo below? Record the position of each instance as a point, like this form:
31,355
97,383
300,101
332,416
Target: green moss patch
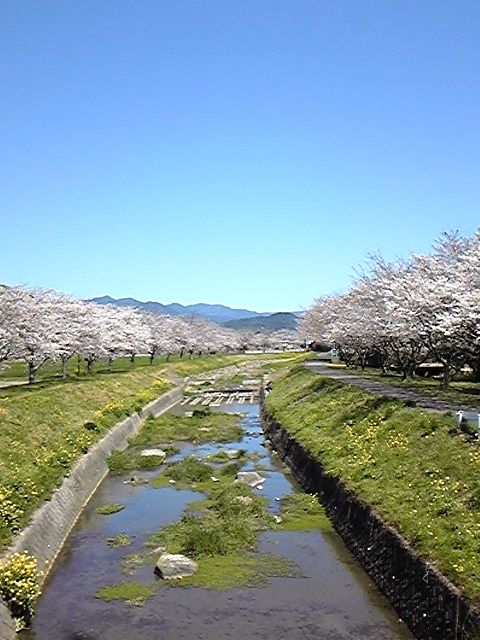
108,509
120,540
232,571
303,512
133,592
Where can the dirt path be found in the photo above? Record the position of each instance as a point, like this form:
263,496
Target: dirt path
426,402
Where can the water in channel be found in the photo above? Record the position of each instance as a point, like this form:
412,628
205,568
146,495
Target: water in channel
334,600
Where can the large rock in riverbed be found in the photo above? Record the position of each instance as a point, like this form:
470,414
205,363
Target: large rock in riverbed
252,478
246,501
173,566
160,453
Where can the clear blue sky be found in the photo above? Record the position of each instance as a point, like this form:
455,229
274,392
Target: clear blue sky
249,152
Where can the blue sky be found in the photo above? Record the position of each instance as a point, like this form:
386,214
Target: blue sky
248,152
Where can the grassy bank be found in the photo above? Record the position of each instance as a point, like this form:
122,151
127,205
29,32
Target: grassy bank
45,428
413,466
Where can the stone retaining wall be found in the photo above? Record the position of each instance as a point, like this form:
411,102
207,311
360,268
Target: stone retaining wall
52,522
432,607
7,626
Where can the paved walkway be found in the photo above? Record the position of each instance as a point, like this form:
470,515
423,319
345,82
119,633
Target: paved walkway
12,383
426,402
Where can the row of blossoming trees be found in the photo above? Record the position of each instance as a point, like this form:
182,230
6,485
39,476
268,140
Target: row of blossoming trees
405,313
38,326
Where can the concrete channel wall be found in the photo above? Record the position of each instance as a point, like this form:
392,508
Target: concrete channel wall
432,607
52,522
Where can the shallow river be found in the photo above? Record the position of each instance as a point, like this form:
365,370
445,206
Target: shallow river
334,600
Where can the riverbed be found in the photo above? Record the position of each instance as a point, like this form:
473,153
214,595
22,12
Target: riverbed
330,596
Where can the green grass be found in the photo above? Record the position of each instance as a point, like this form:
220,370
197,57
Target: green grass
412,465
224,525
303,512
203,426
222,456
108,509
46,427
131,460
133,592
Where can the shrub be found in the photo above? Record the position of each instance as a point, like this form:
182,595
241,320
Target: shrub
19,587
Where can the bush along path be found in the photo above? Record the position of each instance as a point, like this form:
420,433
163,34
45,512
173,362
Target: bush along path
382,464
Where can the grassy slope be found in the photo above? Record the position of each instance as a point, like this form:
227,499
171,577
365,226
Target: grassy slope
410,464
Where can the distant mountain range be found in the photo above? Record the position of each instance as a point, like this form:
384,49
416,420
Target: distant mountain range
219,313
273,322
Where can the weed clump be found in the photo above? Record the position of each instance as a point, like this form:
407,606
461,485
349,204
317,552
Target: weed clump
120,540
133,592
224,526
202,426
301,512
189,470
108,509
121,461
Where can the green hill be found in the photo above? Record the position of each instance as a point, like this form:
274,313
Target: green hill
274,322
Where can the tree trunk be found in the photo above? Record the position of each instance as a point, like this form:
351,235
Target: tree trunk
132,359
168,357
446,375
31,373
89,366
64,367
78,364
110,361
152,356
476,370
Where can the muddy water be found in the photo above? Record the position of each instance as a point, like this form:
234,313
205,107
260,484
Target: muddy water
334,600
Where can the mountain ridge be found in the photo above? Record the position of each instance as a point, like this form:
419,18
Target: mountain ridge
218,313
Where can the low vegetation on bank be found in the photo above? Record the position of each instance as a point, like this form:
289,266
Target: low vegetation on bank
415,467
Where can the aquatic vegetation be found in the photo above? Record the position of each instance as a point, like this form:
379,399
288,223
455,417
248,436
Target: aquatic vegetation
236,570
108,509
133,592
121,461
303,512
120,540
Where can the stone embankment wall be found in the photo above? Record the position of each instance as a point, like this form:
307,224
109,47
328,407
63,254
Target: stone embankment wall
433,608
7,626
52,522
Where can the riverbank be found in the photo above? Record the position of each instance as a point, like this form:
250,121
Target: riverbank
413,467
292,577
